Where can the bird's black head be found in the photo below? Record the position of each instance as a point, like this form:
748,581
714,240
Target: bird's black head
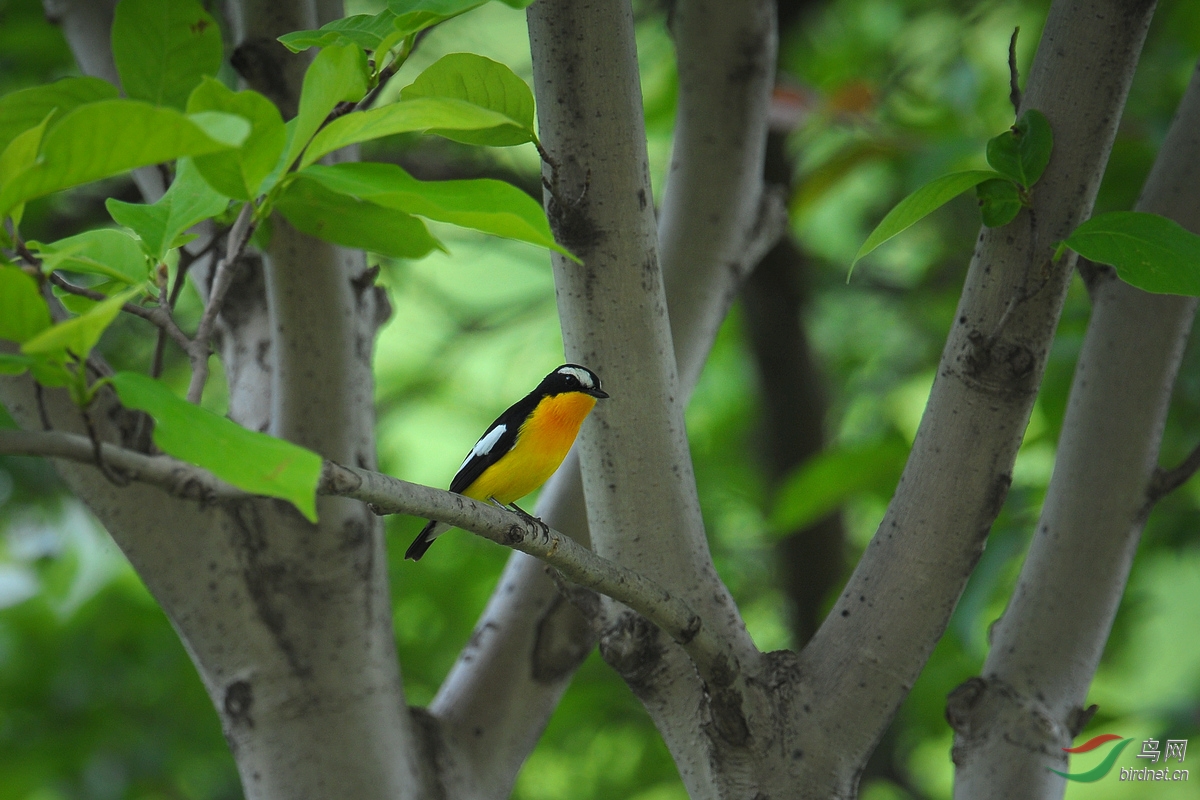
572,378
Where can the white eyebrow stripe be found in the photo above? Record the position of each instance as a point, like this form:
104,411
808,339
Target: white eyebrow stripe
485,445
584,379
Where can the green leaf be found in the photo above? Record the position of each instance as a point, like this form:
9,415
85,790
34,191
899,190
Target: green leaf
21,152
23,312
107,138
1150,252
17,157
229,129
338,74
76,304
920,204
490,206
52,373
416,15
78,335
20,111
484,83
1022,153
14,365
240,173
822,484
351,222
365,30
188,201
107,251
163,48
252,461
999,202
434,114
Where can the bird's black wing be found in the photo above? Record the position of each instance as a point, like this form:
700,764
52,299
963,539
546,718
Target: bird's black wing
492,446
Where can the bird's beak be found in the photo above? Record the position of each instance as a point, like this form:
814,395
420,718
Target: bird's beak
599,394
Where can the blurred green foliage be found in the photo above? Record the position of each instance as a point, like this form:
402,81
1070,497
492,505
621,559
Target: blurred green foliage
97,697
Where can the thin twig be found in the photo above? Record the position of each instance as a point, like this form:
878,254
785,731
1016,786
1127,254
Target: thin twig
199,350
1165,481
1014,91
43,415
186,260
156,316
160,350
98,456
385,75
24,252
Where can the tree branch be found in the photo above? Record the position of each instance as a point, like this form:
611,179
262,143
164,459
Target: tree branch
1165,481
1012,722
388,495
716,221
717,176
612,228
177,478
199,348
903,591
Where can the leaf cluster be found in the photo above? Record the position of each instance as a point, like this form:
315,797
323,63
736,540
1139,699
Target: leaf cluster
231,154
1148,251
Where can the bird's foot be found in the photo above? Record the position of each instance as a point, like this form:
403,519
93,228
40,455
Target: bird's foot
531,519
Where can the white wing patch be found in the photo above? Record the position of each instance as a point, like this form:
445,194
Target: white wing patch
585,380
485,445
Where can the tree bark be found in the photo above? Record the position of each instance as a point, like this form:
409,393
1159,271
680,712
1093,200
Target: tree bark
1012,723
288,623
866,656
528,632
642,505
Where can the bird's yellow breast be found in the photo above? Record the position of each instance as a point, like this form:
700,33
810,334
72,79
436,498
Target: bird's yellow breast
542,444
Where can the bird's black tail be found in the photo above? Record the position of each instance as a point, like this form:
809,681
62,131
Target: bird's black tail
424,540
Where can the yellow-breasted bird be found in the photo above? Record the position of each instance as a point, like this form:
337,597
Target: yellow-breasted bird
522,448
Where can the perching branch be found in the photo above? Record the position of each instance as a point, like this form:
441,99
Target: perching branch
199,348
175,477
388,495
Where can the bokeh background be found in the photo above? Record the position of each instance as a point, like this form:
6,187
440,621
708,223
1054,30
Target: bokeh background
98,700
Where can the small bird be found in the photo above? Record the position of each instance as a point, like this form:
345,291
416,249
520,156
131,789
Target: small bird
522,448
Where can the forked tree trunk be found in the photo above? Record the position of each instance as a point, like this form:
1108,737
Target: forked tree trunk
290,624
